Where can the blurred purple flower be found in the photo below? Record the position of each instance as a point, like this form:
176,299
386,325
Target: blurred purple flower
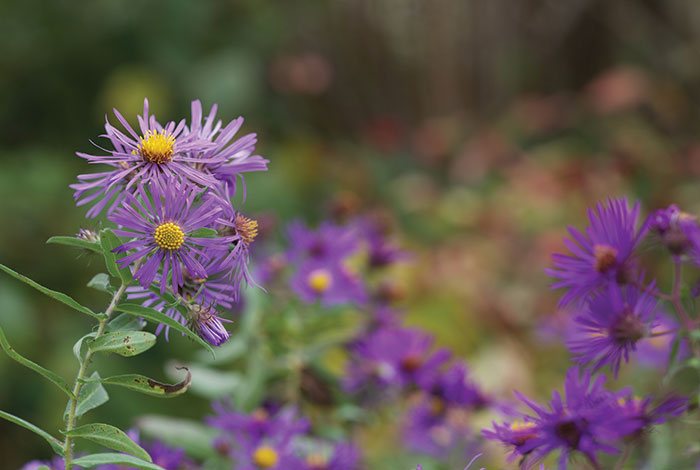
603,254
328,242
327,282
611,324
678,230
340,456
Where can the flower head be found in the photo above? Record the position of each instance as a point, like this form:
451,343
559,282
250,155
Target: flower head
678,230
330,283
329,242
611,324
162,228
603,254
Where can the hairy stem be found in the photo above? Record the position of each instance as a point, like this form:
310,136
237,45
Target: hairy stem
621,463
78,385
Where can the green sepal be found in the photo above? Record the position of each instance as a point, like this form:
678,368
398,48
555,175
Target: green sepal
52,376
101,282
204,233
55,444
109,242
124,343
92,395
146,385
94,460
159,317
76,242
110,437
60,296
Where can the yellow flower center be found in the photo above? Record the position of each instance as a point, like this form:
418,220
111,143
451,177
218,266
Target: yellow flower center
157,147
437,405
521,426
265,457
319,280
169,236
317,461
247,229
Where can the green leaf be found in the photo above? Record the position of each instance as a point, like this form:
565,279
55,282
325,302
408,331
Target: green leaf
78,346
101,282
110,437
55,444
159,317
93,460
76,242
61,297
109,242
204,233
146,385
92,395
124,343
125,322
42,467
53,377
192,436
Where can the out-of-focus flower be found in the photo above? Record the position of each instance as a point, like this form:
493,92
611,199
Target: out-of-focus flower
330,283
393,356
340,456
611,324
601,256
328,242
170,458
641,416
587,421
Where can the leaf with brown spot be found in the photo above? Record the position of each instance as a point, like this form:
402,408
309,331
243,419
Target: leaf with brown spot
148,386
124,343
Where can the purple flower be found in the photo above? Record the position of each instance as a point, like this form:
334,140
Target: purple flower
393,356
56,463
170,458
437,427
654,350
381,250
226,159
603,254
206,322
161,154
454,387
611,324
641,416
328,242
258,424
162,229
678,230
327,282
585,422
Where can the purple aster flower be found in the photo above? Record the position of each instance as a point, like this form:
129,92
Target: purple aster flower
162,231
585,422
160,153
437,427
654,350
152,300
328,282
170,458
393,356
56,463
611,324
454,387
382,251
258,424
678,230
328,242
640,415
603,254
226,159
206,322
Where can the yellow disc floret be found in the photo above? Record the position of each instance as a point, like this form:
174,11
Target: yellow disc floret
265,457
169,236
157,147
319,280
247,229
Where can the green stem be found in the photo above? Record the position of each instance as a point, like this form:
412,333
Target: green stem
78,385
676,297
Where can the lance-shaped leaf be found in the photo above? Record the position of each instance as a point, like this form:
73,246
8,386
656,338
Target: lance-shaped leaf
109,242
111,437
125,322
60,296
53,377
78,347
92,395
204,233
159,317
55,444
101,282
76,242
124,343
94,460
146,385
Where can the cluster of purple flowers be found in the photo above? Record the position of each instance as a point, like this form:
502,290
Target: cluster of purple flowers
274,438
614,312
169,191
